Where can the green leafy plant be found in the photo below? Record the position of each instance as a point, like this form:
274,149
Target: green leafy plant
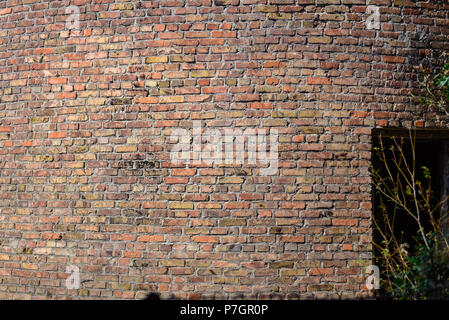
427,275
433,91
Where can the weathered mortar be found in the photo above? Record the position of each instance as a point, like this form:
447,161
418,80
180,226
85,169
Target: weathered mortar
86,178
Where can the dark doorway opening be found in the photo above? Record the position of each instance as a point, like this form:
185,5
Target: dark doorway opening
428,151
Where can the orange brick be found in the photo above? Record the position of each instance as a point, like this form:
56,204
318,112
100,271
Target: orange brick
57,135
206,239
151,238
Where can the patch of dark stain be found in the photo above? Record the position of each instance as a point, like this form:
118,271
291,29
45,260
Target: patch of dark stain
25,250
152,296
134,165
240,172
147,164
125,164
344,155
223,3
326,213
140,264
133,212
235,248
119,101
138,92
277,230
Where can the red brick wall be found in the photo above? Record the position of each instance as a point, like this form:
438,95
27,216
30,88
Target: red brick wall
85,173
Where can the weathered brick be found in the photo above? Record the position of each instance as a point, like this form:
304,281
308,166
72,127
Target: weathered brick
156,59
282,264
232,222
202,73
181,205
171,99
231,180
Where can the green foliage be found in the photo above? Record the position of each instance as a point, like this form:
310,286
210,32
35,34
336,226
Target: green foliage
427,274
433,91
426,172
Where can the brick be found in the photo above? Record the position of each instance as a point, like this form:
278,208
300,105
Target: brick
156,59
293,273
344,222
232,222
283,264
292,239
279,16
151,238
318,81
404,3
202,73
320,271
231,180
6,129
126,148
57,81
263,8
393,59
226,2
171,99
45,158
224,34
183,172
173,263
205,239
5,11
150,100
181,205
57,135
175,180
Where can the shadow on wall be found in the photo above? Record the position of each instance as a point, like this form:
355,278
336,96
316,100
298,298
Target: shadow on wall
152,296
